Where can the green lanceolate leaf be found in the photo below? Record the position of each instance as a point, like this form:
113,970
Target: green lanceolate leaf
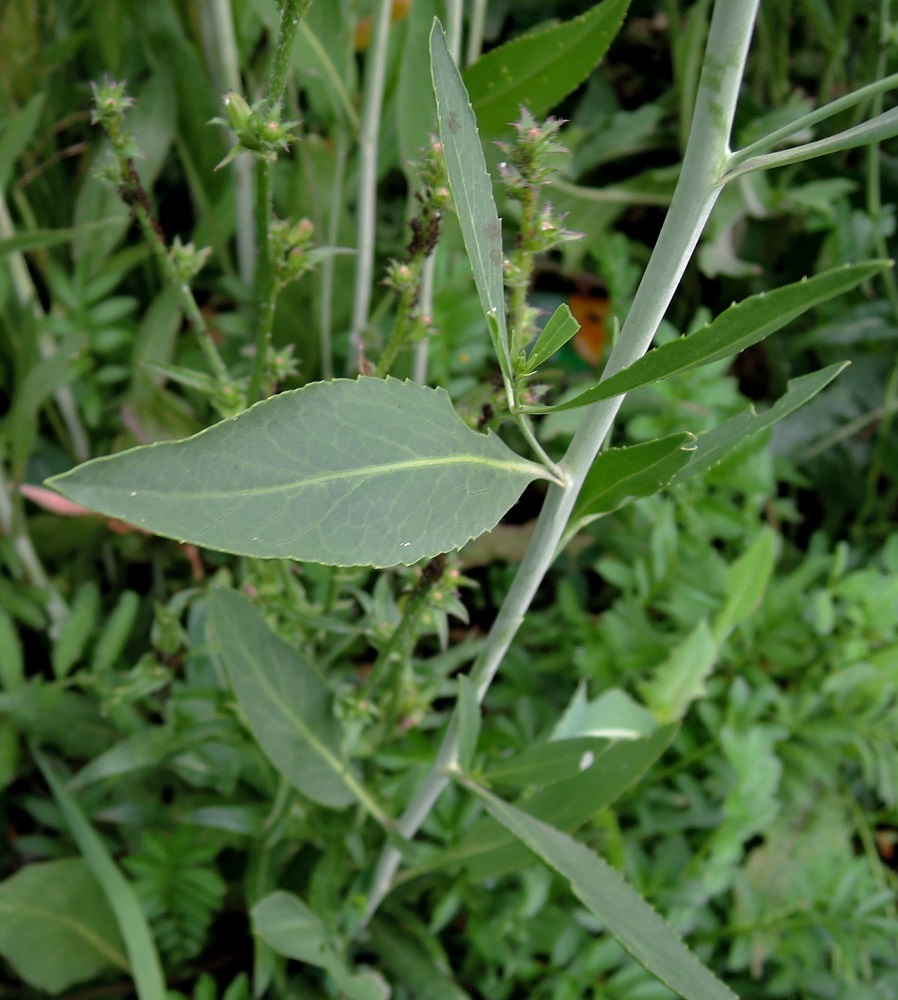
291,928
56,927
487,850
638,927
641,470
542,67
350,472
746,581
714,445
555,334
680,679
286,703
472,190
146,969
740,326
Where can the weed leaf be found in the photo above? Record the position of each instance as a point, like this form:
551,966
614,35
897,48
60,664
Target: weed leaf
542,67
350,472
743,324
286,703
627,916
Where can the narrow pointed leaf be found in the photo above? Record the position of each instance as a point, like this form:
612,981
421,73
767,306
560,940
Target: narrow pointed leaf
149,980
714,445
680,679
547,763
350,472
487,850
746,581
555,334
471,187
638,471
538,69
740,326
635,924
286,703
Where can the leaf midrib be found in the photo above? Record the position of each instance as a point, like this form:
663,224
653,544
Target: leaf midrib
384,469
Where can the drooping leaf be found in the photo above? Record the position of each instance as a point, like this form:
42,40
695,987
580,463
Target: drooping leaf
680,679
487,850
746,581
350,472
56,927
146,969
472,189
540,68
641,470
555,334
286,703
635,924
740,326
288,926
714,445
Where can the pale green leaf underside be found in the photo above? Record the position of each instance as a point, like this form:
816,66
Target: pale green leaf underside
471,187
285,701
556,333
740,326
638,927
350,473
56,928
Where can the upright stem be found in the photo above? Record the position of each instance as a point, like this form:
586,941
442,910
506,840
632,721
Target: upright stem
475,32
265,281
266,285
367,195
704,163
226,53
341,152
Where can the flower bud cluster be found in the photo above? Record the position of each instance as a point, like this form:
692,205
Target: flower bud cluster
291,246
187,261
528,158
256,129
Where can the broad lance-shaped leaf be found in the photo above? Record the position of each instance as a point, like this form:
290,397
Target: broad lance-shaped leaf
56,927
350,473
638,927
538,69
286,702
472,190
714,445
638,471
740,326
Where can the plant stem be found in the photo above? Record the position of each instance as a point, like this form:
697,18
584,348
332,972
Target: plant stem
194,314
328,265
366,205
475,32
292,13
12,525
704,163
27,296
266,291
265,278
222,19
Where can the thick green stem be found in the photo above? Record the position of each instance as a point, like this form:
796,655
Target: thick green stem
266,288
704,163
291,14
367,196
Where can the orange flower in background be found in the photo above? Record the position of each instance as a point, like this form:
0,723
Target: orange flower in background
591,312
363,28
